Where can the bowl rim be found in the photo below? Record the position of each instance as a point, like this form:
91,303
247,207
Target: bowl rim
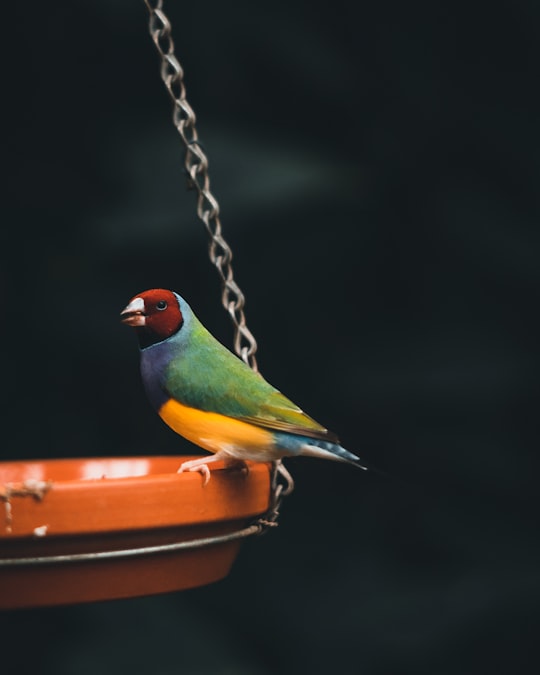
60,497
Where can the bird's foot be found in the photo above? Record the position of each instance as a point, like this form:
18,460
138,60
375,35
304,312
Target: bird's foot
197,465
238,465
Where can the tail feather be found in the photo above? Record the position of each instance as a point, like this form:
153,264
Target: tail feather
331,451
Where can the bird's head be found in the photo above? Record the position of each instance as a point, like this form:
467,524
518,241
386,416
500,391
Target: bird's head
155,314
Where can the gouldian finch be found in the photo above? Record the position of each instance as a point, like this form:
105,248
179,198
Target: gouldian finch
208,395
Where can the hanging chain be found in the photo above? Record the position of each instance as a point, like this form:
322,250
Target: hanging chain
282,484
196,164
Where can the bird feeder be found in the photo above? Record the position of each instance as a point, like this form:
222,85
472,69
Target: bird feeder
81,530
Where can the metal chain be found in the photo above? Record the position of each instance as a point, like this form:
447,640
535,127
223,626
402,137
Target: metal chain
282,484
196,164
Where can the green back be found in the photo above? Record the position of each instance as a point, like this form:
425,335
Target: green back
205,375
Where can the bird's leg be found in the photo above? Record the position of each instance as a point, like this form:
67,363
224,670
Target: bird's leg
200,465
237,465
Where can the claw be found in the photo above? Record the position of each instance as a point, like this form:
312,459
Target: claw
194,465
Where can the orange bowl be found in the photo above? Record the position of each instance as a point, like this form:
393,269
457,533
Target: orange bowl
80,530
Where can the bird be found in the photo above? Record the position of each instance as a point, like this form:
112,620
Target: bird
211,397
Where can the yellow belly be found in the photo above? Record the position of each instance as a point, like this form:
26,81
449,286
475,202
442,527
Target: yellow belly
215,432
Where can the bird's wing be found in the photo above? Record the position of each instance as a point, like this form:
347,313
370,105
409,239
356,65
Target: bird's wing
301,428
211,378
278,413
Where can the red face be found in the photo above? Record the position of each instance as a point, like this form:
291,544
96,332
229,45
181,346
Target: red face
156,312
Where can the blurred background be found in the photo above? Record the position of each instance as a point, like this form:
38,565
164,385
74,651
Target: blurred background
377,166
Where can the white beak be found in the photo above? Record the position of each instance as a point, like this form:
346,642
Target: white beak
133,314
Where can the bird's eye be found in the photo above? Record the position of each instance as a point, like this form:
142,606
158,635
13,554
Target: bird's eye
161,305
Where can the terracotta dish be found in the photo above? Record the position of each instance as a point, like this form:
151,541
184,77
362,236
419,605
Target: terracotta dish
80,530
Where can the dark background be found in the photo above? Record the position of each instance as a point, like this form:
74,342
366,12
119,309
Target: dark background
377,166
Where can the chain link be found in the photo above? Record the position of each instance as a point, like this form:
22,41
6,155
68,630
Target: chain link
282,484
196,165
